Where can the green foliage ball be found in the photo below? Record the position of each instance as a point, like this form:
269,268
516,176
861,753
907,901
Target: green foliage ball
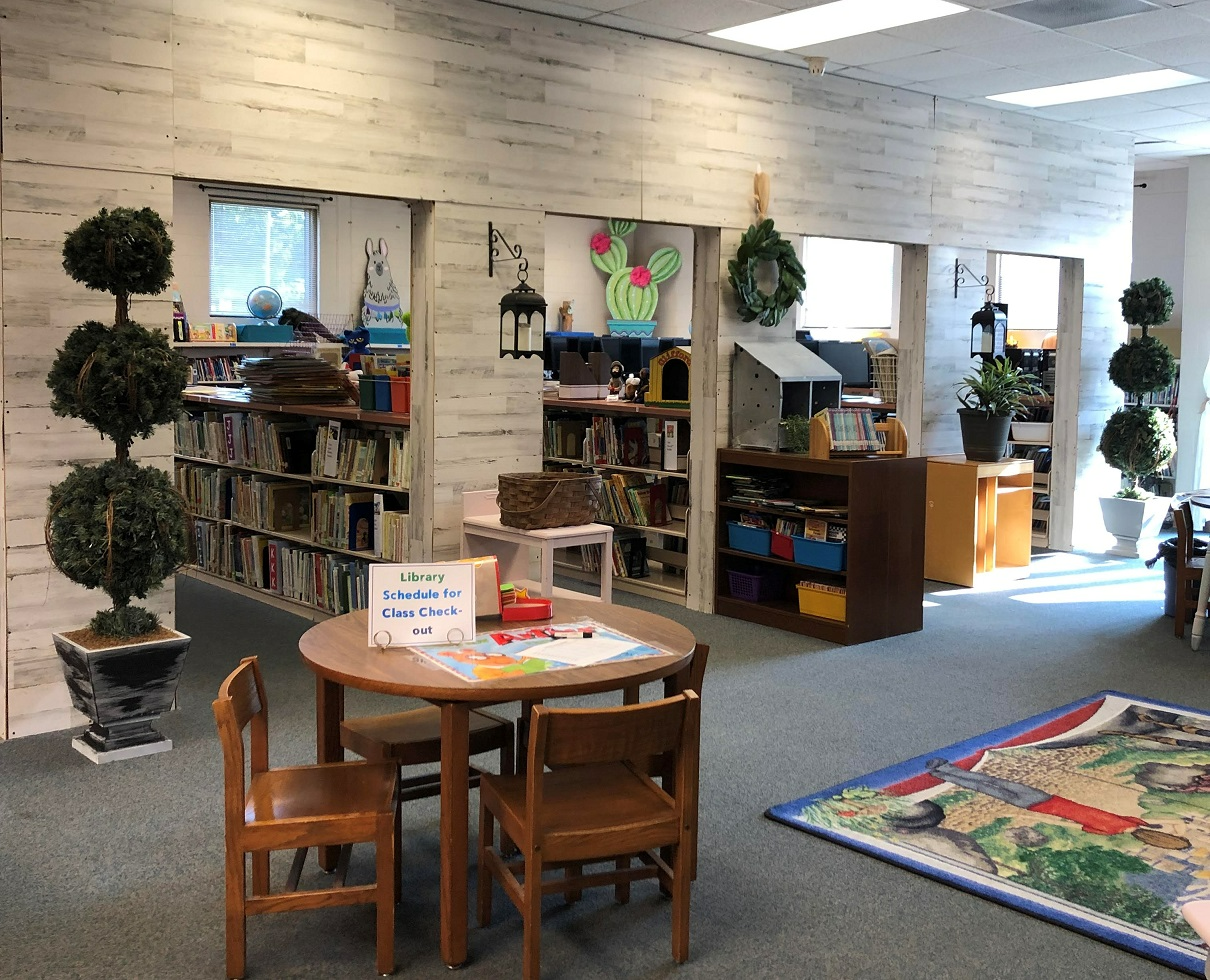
123,251
123,381
1138,440
1142,365
118,527
1147,303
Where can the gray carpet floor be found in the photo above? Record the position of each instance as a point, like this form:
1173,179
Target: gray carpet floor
116,871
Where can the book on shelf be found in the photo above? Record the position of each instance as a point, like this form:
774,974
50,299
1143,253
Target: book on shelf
287,506
851,429
391,526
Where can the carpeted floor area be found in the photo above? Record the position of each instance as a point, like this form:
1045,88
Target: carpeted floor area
116,871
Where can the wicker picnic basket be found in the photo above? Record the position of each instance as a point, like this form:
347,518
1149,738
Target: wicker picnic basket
534,500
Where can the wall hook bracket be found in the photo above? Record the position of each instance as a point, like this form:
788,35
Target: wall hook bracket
960,273
494,241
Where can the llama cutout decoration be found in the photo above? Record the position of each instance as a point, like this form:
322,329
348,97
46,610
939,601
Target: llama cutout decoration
380,305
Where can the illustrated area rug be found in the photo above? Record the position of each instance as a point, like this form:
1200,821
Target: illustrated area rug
1095,815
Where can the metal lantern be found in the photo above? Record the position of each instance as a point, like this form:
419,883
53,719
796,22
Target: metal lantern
522,321
989,327
522,310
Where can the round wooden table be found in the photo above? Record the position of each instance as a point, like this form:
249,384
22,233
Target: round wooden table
338,652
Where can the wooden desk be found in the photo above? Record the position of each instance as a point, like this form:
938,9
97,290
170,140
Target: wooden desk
338,653
978,519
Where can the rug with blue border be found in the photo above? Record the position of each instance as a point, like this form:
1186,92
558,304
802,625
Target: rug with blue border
1095,815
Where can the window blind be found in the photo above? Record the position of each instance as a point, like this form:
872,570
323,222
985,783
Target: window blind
255,245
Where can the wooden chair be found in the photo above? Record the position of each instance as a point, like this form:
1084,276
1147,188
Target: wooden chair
413,738
298,807
595,804
1188,568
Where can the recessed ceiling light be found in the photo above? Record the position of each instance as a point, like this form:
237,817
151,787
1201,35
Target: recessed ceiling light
844,18
1098,88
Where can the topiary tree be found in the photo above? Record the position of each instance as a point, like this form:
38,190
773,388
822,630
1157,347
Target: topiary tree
1139,439
119,527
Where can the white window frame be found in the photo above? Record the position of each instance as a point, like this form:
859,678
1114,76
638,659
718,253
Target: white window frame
309,300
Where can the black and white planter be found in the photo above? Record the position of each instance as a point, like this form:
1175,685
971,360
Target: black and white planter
122,690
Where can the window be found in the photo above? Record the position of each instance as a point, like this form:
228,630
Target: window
850,285
262,245
1029,284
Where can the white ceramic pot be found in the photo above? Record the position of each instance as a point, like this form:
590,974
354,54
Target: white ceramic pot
1133,521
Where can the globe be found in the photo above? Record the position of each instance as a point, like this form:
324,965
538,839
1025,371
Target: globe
264,302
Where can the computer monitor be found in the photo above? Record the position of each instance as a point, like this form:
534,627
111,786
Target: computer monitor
850,358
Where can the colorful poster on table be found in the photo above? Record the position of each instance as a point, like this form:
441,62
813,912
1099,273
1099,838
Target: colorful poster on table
533,649
417,604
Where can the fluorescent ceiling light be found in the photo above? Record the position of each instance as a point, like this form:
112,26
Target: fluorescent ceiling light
1098,88
844,18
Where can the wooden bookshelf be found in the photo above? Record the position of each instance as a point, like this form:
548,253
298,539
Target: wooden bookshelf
666,577
883,573
247,556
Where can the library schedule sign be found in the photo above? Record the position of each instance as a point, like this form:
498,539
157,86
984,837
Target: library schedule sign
415,604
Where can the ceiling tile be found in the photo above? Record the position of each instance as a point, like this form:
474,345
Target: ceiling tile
1102,64
970,27
866,49
938,64
1066,13
1188,134
868,75
1129,122
650,30
1178,97
1030,49
579,11
1154,25
1175,52
698,15
989,82
601,6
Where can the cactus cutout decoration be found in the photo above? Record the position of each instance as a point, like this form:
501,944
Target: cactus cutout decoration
631,292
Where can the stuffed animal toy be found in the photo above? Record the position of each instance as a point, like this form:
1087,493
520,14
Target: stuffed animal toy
358,340
380,301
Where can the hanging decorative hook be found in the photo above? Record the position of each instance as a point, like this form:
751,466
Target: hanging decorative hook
494,240
961,283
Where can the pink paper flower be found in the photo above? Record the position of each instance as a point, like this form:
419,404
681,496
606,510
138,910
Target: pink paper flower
640,275
600,243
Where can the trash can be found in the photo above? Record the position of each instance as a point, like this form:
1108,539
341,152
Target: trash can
1167,551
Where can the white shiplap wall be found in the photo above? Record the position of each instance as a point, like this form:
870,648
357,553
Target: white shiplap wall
495,114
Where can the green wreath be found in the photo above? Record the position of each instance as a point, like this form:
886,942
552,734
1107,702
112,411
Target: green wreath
761,243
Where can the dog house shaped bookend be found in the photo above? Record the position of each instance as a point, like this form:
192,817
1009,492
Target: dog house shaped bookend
669,379
773,379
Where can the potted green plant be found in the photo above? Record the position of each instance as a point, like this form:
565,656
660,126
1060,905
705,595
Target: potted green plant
118,526
1139,439
992,396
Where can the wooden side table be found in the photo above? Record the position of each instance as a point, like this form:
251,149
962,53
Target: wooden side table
483,534
978,519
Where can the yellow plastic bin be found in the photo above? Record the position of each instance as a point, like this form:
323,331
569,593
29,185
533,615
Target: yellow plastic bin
815,601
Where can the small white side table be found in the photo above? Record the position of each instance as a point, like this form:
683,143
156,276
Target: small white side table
483,534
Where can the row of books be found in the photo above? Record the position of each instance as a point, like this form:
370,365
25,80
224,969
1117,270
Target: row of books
634,498
247,439
629,556
605,440
361,456
284,445
852,429
211,369
1040,455
335,583
376,522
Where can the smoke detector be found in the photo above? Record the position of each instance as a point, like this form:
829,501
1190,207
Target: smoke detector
816,64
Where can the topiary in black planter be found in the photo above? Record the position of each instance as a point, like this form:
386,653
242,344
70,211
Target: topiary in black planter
119,527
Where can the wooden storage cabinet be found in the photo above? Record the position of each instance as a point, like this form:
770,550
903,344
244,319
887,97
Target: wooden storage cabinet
246,501
666,546
979,519
883,574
